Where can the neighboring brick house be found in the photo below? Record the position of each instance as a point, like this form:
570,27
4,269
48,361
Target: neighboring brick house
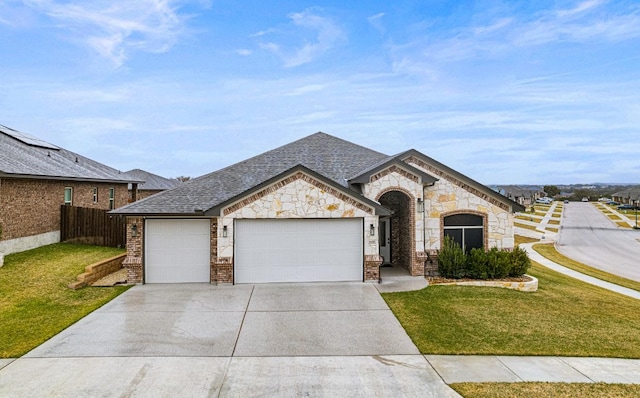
317,209
524,195
152,184
36,178
628,196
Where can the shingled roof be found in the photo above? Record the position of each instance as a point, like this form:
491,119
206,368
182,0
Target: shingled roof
25,156
152,182
330,157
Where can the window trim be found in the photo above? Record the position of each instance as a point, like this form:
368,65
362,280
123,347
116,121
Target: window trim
95,194
112,196
484,227
70,191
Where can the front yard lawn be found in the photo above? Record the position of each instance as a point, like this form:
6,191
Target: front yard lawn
565,317
36,303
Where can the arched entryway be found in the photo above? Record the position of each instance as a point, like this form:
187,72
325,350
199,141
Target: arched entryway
396,232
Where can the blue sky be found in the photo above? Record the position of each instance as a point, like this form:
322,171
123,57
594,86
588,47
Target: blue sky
502,91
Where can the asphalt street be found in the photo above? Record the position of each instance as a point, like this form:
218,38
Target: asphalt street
590,237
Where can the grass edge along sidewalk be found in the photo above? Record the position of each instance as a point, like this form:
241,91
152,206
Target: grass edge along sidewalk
565,317
549,252
36,302
556,390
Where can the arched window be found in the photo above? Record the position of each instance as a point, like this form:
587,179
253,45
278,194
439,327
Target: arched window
466,229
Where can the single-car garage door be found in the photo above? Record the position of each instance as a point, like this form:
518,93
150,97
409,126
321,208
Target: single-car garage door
309,250
177,251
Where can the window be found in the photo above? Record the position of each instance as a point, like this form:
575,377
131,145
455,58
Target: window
95,194
467,230
68,196
112,194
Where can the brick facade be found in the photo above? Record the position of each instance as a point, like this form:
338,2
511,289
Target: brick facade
134,262
32,206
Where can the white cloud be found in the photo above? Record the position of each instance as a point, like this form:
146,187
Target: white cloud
376,22
116,28
320,34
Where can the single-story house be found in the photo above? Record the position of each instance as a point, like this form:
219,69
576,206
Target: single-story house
37,177
317,209
628,196
524,195
152,184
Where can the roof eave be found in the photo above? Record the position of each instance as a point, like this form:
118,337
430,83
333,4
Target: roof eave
67,178
365,177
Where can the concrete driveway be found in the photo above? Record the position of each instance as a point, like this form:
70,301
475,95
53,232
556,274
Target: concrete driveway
248,340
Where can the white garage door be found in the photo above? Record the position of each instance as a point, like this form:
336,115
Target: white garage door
177,251
298,250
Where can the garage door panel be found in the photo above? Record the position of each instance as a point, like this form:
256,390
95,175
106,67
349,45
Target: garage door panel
177,251
298,250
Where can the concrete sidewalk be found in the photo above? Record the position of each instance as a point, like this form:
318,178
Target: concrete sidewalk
509,369
537,257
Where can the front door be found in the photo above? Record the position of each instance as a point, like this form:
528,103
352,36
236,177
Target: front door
384,229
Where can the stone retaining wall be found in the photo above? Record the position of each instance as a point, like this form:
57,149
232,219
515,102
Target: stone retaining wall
97,271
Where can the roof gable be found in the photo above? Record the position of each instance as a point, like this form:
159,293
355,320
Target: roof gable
326,155
152,182
394,164
421,160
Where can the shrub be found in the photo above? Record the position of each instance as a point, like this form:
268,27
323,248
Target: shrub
451,259
498,264
477,264
520,262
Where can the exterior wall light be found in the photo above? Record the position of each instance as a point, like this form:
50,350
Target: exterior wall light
225,233
420,207
134,230
372,230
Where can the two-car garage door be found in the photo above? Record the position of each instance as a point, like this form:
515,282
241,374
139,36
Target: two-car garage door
309,250
267,250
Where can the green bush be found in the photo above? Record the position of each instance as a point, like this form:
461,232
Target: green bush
477,264
498,264
520,262
451,259
454,263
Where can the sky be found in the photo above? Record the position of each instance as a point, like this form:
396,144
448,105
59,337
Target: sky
505,92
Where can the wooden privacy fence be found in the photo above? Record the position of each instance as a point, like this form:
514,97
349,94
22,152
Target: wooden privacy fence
92,227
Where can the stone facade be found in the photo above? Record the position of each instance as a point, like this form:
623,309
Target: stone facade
32,206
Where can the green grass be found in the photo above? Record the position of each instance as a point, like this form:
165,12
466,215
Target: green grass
552,229
556,390
565,317
550,252
36,303
554,222
526,226
613,216
519,239
623,224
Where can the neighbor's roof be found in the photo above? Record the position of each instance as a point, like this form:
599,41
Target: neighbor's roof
633,193
331,157
152,182
26,156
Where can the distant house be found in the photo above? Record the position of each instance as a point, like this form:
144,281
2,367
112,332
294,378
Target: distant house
315,210
627,196
37,177
523,195
152,184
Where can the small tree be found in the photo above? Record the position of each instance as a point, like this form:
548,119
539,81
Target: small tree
520,262
451,259
551,190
